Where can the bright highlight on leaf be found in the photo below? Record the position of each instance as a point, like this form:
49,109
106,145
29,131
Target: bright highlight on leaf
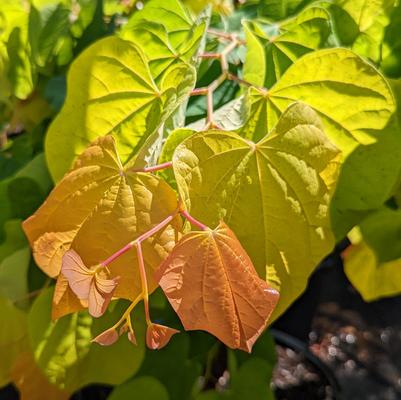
90,285
212,285
274,194
158,336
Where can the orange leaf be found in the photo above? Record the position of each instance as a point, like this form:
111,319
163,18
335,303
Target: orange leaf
212,284
157,336
87,283
107,338
96,209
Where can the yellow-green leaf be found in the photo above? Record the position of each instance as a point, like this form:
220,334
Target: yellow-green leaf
274,194
361,24
373,261
355,104
64,351
271,49
110,90
13,332
96,209
166,32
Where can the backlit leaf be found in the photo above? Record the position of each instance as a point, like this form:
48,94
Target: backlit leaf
355,104
361,24
131,107
97,209
65,352
30,381
212,285
271,49
166,32
158,336
274,194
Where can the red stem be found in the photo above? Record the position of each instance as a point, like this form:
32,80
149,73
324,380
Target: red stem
154,168
140,239
194,221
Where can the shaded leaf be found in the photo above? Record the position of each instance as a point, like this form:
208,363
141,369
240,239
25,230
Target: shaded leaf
373,261
144,387
158,336
274,194
212,285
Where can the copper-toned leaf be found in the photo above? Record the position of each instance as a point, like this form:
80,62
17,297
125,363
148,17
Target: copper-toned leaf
96,209
78,275
89,284
157,336
212,285
107,338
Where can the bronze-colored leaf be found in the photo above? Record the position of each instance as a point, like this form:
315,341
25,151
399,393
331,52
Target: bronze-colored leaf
212,284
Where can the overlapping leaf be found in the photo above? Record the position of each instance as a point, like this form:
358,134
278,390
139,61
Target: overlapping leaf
166,32
356,105
373,261
274,194
271,49
281,9
212,285
96,209
361,24
110,90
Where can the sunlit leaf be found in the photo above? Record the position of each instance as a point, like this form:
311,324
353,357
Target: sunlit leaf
271,49
356,105
131,107
274,194
212,285
97,209
166,32
361,25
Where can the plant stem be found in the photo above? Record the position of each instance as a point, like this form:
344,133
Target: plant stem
140,239
144,281
194,221
154,168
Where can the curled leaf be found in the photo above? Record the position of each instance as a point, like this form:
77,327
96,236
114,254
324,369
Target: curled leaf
88,284
107,338
157,336
212,284
127,328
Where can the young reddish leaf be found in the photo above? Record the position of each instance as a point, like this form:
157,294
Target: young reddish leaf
96,209
88,284
212,285
157,336
127,328
107,338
